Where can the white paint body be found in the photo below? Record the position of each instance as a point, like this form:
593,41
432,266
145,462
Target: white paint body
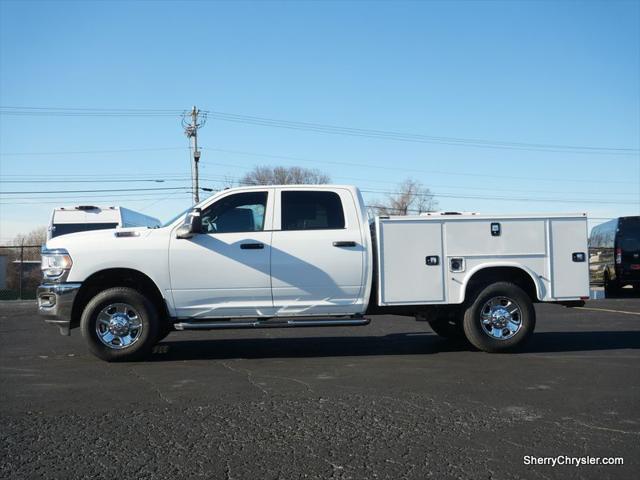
301,272
540,245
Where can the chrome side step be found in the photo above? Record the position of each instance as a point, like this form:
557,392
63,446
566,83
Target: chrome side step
274,323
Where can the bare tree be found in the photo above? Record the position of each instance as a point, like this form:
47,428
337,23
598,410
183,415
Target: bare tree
410,197
264,175
37,236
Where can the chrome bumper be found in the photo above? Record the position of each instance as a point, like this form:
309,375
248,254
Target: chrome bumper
55,301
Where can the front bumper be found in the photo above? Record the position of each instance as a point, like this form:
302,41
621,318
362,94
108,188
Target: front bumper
55,301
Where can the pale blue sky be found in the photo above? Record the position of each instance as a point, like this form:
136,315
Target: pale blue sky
562,73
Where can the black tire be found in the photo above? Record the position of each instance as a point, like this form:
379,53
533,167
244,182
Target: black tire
164,330
477,332
611,287
145,313
447,328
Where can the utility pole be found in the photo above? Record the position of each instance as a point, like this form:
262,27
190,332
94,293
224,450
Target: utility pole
21,269
192,121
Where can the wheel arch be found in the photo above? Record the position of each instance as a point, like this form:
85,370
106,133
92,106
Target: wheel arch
518,274
117,277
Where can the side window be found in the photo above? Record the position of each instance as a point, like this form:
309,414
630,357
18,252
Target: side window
311,211
595,240
242,212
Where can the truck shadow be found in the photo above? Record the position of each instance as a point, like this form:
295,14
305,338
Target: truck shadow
418,343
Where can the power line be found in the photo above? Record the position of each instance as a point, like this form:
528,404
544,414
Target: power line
510,199
92,191
102,201
306,160
323,128
71,197
79,177
435,185
93,181
436,194
87,109
224,180
90,152
433,188
417,170
177,177
87,112
419,138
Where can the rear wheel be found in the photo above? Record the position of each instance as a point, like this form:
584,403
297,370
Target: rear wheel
611,287
447,328
499,317
120,324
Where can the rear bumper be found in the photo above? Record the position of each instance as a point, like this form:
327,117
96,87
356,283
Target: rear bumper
55,302
626,275
629,279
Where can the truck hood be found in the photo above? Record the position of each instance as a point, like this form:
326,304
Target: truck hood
143,249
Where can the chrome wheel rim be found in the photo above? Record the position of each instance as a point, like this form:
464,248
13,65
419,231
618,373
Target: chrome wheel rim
501,318
119,326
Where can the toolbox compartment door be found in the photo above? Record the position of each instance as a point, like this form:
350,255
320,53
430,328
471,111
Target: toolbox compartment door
405,275
570,278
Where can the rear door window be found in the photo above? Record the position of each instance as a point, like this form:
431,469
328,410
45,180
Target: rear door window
311,211
629,235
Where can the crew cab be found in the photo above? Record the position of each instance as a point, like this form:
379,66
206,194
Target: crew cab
307,255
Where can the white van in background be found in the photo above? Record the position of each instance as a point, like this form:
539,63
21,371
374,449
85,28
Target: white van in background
65,220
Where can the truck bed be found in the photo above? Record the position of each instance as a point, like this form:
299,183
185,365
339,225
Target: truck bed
431,259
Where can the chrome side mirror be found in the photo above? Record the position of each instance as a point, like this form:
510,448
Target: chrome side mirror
192,225
184,231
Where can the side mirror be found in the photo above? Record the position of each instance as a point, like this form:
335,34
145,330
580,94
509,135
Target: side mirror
184,231
192,225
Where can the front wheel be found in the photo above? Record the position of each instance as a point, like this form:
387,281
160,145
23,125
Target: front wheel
120,324
499,318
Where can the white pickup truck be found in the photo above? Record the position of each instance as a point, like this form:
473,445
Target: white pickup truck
301,256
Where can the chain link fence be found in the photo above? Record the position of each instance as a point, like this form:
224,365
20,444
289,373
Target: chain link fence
20,272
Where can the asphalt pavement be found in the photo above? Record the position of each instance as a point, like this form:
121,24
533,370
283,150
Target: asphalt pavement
390,400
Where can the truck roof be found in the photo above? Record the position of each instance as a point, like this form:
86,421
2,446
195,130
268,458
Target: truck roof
305,186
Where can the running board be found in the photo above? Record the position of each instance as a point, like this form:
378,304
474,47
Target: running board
229,324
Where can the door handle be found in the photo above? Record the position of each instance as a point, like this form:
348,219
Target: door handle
432,260
252,246
578,257
344,244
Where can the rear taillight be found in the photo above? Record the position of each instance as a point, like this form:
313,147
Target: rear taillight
618,255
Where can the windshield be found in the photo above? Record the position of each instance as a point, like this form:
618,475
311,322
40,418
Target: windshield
173,219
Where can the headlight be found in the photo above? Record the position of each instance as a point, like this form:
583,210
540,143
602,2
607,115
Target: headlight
55,263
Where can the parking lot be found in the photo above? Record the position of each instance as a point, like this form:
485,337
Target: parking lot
390,400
